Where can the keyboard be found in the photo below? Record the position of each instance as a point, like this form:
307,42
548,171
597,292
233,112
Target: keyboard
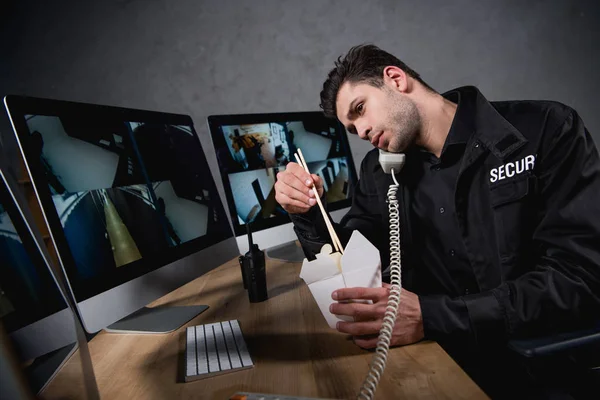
215,349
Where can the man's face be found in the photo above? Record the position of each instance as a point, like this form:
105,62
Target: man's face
384,116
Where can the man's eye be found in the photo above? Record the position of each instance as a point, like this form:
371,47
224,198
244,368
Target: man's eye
359,108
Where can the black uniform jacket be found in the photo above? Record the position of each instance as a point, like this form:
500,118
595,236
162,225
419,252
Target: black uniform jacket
527,203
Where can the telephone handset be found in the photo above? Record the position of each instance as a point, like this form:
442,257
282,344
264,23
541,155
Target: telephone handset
391,163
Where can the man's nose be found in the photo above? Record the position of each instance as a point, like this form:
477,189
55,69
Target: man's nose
363,132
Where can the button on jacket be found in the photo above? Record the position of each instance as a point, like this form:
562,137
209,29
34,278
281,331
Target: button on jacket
527,207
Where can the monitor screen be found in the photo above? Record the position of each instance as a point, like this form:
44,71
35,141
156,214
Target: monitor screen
28,291
124,191
251,149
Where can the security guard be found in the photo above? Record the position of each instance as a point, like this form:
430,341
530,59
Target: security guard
499,213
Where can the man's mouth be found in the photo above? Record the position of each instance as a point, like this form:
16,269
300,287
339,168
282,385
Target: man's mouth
375,139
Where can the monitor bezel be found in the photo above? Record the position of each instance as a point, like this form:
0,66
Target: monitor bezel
216,121
20,106
30,245
60,324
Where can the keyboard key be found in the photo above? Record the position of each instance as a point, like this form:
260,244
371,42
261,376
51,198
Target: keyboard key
211,349
221,348
234,356
201,358
191,367
241,344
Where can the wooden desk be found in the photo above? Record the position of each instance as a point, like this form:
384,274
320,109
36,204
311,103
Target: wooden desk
293,349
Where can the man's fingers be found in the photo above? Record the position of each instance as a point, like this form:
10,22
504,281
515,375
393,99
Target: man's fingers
299,172
360,328
289,179
291,205
360,293
307,179
292,188
366,342
318,183
360,311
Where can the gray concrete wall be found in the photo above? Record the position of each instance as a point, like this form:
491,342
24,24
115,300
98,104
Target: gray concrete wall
214,57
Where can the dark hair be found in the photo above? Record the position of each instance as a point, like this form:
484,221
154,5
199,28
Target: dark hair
364,63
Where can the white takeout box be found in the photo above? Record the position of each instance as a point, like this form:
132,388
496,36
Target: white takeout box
361,267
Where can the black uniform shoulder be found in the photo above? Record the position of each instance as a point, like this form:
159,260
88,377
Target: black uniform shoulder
532,107
540,116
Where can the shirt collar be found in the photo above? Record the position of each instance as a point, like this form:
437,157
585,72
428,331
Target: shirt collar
462,124
483,123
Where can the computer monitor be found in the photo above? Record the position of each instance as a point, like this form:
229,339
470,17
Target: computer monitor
33,309
130,203
252,148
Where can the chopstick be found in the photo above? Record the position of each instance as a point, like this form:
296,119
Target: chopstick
334,238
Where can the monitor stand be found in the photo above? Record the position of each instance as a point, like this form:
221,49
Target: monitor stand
159,319
43,369
290,252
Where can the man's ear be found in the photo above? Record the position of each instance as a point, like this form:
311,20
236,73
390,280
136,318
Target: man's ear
396,78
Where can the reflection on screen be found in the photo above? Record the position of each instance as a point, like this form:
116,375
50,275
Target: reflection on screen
28,292
251,156
125,190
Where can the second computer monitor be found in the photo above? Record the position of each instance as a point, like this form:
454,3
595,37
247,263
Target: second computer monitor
251,149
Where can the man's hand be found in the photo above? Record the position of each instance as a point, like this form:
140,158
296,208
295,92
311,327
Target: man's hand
369,317
293,189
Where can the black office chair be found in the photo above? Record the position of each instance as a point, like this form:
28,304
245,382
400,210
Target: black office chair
569,360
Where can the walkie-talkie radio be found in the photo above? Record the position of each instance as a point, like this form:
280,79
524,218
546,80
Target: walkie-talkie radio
254,273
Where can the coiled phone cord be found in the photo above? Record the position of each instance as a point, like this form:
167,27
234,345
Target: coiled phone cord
369,386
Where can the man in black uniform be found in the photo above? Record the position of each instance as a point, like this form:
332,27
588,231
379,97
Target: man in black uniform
499,214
